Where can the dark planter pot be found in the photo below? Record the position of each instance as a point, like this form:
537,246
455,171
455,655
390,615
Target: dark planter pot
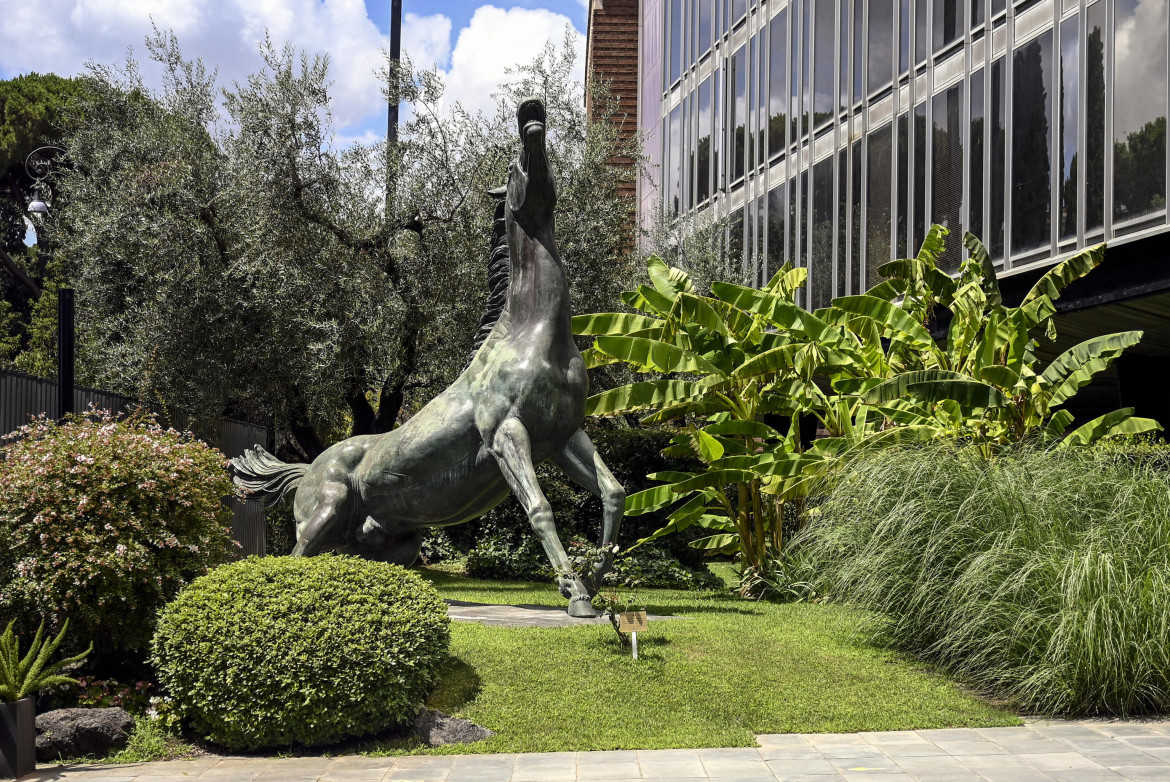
18,738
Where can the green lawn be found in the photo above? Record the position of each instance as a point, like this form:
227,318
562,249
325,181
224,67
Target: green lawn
730,669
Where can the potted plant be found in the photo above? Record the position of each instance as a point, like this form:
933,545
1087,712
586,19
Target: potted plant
20,679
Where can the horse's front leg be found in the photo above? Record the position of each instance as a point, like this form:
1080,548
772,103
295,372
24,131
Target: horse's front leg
584,466
512,450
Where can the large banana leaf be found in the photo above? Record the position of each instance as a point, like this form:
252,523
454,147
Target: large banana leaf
1076,366
1060,275
777,310
986,268
970,394
649,300
739,428
612,323
667,280
887,315
899,386
654,354
1118,422
786,281
640,396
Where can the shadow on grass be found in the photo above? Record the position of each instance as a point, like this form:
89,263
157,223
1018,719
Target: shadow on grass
459,684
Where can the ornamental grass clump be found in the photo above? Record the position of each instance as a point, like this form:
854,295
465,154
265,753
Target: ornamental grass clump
1041,576
104,520
272,652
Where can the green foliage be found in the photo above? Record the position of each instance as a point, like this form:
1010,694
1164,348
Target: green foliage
103,521
39,354
21,677
33,110
743,367
279,651
162,249
1040,575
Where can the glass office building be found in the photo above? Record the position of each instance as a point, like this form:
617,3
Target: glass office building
832,133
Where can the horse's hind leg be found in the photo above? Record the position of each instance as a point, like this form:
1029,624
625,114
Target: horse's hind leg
318,515
583,465
511,447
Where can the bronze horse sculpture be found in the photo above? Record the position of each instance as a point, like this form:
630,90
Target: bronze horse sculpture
520,402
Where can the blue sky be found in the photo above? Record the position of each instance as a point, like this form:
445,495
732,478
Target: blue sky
470,41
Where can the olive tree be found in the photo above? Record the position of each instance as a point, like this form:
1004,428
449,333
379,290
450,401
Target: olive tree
230,255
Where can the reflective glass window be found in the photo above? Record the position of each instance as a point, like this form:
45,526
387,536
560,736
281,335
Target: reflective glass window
855,275
704,145
1031,122
692,33
762,100
879,193
902,202
998,7
705,11
674,161
738,11
947,174
692,148
858,59
676,28
921,30
753,83
824,55
777,81
777,218
995,228
881,41
1095,118
738,108
1070,47
793,254
761,259
975,142
978,8
794,78
735,254
842,199
806,104
843,49
1139,108
904,36
947,18
919,178
820,251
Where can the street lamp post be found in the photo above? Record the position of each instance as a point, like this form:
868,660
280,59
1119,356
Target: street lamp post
38,166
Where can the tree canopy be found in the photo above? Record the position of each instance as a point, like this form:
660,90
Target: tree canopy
230,255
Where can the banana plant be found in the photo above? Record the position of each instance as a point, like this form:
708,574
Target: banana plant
727,368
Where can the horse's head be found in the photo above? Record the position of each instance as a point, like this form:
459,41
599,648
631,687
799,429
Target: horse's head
531,191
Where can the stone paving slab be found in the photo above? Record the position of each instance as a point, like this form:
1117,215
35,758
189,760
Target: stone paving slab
524,615
1041,751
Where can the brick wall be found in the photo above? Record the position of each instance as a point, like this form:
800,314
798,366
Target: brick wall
612,55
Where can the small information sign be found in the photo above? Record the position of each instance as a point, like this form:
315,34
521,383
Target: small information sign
632,621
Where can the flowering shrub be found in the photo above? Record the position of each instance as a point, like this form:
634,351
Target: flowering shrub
102,694
103,520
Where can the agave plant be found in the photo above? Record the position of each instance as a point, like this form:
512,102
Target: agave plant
21,677
867,368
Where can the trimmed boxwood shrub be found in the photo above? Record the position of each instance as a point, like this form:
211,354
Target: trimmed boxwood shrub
277,651
103,521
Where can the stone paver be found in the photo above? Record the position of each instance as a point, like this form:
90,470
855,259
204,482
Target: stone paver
1041,751
524,615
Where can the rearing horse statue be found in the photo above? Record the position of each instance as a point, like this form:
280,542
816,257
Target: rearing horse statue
520,402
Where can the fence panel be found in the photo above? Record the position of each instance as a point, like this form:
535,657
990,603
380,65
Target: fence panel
23,396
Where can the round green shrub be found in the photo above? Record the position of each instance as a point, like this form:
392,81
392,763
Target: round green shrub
276,651
104,520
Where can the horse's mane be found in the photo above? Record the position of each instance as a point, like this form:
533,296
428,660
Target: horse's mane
499,274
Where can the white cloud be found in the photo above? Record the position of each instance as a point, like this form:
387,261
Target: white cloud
496,39
60,36
1141,61
427,39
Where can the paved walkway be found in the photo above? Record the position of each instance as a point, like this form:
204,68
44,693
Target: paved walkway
1043,751
524,615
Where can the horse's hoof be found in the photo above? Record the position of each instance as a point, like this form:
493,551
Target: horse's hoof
581,607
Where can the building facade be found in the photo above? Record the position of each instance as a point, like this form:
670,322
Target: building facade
832,133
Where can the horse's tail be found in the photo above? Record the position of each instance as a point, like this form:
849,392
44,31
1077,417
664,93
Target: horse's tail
264,477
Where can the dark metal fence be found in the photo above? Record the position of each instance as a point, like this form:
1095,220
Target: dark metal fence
23,396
